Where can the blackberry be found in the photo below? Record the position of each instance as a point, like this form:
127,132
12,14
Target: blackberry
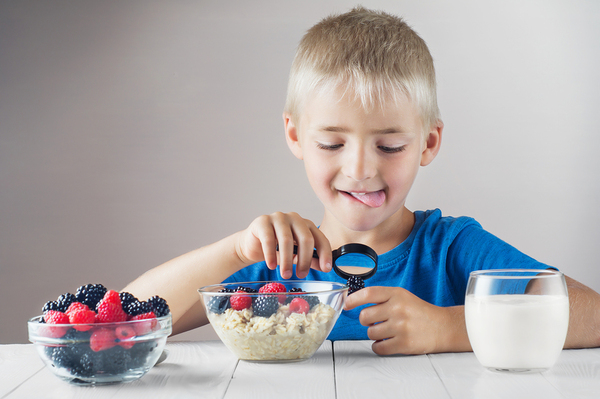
219,304
90,363
160,306
289,298
138,307
355,283
64,301
50,305
265,306
62,357
126,300
116,360
90,294
312,300
140,352
246,289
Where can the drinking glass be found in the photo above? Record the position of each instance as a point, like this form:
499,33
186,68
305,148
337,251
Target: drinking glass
517,319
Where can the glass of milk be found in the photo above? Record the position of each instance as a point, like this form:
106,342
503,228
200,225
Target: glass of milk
517,319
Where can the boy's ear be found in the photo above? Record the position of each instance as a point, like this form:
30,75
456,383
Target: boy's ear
432,143
291,136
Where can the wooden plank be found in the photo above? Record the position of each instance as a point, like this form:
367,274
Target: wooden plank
191,369
464,377
577,373
311,378
17,364
360,373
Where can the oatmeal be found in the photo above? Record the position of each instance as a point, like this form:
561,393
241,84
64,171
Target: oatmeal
285,335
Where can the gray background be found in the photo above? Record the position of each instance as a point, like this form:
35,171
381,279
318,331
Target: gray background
134,131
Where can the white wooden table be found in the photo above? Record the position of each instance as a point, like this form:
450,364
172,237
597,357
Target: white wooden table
343,369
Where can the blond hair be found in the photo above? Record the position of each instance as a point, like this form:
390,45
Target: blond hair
372,55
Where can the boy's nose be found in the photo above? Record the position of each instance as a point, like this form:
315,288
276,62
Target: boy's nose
359,166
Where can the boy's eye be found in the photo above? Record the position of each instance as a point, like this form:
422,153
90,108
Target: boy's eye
329,147
392,150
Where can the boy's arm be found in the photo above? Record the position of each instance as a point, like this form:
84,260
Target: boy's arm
584,316
178,280
400,322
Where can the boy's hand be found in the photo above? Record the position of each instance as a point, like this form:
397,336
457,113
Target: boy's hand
284,230
400,322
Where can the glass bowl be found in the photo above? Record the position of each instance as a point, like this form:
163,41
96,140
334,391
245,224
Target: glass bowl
273,326
92,354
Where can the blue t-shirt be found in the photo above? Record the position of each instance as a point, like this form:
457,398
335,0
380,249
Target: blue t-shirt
433,263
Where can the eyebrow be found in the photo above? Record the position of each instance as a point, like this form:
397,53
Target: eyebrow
338,129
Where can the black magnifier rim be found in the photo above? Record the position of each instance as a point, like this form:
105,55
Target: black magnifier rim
353,248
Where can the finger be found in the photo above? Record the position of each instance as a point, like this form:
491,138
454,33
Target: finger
365,296
305,246
263,231
323,247
389,346
285,242
374,314
380,331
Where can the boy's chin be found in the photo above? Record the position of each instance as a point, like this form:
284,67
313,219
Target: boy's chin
360,225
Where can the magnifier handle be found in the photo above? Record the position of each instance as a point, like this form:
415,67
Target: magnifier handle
314,255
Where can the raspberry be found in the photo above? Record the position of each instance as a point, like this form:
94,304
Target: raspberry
53,317
146,326
56,317
102,339
274,287
124,335
265,306
82,318
76,307
240,301
109,308
299,305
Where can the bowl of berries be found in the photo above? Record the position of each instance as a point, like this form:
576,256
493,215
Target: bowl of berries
99,336
273,321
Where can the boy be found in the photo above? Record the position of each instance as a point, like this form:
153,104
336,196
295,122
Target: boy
362,114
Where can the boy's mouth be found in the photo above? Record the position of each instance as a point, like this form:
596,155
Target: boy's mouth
373,199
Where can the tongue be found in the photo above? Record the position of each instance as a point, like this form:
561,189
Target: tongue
374,199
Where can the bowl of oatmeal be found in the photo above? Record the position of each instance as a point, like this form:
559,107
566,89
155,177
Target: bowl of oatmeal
273,321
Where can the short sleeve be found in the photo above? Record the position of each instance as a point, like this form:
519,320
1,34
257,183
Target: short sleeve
476,249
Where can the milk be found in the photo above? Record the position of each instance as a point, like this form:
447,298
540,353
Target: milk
517,332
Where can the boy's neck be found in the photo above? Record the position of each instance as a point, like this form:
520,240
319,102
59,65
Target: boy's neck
382,238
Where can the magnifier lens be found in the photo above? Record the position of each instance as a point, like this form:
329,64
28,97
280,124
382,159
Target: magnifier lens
351,260
355,263
355,260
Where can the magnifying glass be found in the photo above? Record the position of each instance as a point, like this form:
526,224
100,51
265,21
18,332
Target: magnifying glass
352,261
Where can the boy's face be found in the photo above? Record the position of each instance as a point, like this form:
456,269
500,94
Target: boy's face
361,164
